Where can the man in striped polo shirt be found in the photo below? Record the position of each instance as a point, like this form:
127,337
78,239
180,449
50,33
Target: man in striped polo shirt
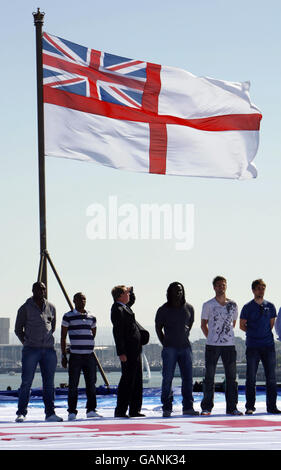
81,329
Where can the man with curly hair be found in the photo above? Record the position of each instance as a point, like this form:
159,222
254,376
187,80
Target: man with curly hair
173,322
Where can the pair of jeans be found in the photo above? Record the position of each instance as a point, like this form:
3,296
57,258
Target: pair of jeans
47,359
268,358
129,392
171,357
228,356
85,363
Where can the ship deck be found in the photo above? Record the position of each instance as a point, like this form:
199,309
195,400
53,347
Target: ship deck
219,432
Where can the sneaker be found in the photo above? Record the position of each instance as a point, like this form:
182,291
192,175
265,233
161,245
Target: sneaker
249,412
190,412
205,413
166,413
71,416
53,418
20,419
93,414
136,415
235,413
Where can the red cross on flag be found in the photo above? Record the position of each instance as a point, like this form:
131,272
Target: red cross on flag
139,116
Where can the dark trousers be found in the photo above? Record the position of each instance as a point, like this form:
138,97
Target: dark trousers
129,392
268,358
228,356
85,363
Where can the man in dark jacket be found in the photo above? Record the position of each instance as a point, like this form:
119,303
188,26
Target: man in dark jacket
35,325
173,323
128,342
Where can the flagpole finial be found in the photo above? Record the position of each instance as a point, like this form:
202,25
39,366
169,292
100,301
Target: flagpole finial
38,16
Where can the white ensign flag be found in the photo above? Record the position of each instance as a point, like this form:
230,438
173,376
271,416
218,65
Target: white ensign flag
139,116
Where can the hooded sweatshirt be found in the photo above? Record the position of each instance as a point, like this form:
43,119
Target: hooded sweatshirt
34,327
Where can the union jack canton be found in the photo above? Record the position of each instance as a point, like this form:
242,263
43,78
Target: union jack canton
90,73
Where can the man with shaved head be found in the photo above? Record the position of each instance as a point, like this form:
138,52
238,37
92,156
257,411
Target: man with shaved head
35,325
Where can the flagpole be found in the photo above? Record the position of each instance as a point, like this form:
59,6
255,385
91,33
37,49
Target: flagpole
44,255
38,23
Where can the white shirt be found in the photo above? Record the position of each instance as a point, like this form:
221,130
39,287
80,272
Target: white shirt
220,322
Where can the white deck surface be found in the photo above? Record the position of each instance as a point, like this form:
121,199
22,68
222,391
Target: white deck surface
262,431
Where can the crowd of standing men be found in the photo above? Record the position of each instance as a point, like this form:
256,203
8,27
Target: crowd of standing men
36,322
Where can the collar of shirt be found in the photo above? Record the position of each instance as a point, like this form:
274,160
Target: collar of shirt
44,303
80,313
128,309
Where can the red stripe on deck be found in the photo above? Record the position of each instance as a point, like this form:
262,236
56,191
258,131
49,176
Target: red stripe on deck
240,423
95,427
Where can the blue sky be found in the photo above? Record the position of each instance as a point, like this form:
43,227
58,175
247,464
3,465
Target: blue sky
237,223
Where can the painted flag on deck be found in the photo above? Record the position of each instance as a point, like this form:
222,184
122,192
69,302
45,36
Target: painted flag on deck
140,116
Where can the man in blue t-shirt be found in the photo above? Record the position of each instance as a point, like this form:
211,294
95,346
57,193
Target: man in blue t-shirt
257,320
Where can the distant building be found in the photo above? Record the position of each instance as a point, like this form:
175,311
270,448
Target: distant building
4,330
10,357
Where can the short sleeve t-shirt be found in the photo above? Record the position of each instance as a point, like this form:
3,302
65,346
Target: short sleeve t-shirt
259,332
80,331
220,322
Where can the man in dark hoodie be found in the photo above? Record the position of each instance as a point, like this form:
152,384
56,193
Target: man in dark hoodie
35,325
173,323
